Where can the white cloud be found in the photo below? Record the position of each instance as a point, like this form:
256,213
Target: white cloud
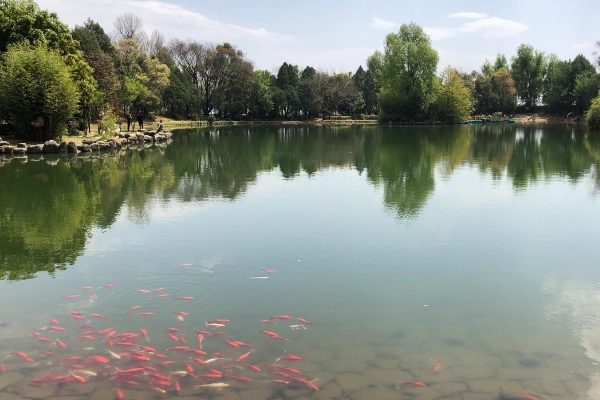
494,27
440,33
488,27
468,15
378,23
173,21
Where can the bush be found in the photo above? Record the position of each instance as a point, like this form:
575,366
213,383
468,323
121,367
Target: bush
593,115
211,119
35,84
107,126
340,117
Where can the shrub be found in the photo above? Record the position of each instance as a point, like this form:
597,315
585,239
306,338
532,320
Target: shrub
593,115
211,119
107,126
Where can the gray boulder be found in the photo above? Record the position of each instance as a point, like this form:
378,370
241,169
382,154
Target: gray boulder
50,147
7,149
72,148
4,143
19,151
84,148
22,145
62,148
35,148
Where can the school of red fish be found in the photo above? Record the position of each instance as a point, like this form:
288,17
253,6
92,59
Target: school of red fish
128,361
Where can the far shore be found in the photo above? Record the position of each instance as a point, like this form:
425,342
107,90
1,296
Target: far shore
171,124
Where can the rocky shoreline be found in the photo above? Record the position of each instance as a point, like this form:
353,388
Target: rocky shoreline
87,145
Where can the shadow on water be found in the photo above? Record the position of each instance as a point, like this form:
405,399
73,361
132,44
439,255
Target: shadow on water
50,205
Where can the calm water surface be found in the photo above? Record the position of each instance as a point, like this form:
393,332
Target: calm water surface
475,248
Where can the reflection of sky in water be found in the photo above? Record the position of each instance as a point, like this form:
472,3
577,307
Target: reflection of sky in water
577,303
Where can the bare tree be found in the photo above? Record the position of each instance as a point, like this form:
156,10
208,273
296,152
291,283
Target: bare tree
190,56
156,43
129,26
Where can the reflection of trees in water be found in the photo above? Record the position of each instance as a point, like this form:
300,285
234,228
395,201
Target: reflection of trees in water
50,210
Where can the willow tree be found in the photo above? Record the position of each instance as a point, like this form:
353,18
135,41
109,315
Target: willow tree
409,68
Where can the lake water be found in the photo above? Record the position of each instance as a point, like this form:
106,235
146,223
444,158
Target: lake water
435,263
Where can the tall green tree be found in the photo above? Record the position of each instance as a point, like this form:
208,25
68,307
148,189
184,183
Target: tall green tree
409,69
35,83
288,79
262,95
528,68
452,99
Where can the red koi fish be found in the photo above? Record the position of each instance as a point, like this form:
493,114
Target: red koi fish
185,265
189,368
267,321
162,295
528,397
244,356
134,308
70,297
100,316
110,285
119,394
145,314
177,387
300,380
230,343
148,349
253,367
313,386
282,317
183,339
44,340
173,337
202,332
436,369
60,344
182,313
200,339
185,298
2,368
78,378
53,321
290,357
242,344
87,287
144,291
46,353
269,271
280,373
239,378
144,333
414,384
34,333
269,333
305,321
174,330
53,329
160,289
99,359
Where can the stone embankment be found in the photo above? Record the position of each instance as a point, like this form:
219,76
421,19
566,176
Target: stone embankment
87,146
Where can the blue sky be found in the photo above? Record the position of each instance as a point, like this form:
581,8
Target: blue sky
338,36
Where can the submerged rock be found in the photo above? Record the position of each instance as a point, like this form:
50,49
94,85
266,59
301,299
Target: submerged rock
514,393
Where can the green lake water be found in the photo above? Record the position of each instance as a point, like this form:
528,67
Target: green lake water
472,247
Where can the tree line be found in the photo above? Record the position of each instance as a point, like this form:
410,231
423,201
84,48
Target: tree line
54,79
